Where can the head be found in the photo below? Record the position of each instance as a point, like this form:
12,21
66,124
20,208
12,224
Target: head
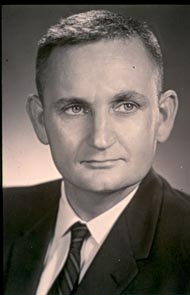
100,104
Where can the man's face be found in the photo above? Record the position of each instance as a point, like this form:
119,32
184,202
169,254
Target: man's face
101,113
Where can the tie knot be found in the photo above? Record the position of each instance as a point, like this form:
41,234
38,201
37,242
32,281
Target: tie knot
79,232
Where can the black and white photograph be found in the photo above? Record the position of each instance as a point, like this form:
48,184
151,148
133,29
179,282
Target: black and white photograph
96,149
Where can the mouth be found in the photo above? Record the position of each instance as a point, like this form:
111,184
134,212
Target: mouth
100,164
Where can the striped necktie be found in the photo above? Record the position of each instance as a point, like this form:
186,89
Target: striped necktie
67,280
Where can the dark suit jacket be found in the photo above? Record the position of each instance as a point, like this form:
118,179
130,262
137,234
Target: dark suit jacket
146,252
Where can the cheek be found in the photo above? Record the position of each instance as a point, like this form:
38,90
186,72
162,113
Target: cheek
138,133
66,136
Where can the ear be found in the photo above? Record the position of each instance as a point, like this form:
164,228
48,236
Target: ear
168,106
35,111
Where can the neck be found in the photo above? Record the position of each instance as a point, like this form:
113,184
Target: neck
88,204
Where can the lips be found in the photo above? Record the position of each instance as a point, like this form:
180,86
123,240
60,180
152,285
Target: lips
105,163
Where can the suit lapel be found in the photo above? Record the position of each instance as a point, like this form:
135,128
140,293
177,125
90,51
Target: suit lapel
28,252
116,264
143,214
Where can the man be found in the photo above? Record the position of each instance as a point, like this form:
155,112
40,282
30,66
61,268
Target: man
101,108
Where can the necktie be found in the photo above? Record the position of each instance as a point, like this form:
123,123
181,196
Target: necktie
67,280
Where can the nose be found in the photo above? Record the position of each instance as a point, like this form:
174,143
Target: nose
102,134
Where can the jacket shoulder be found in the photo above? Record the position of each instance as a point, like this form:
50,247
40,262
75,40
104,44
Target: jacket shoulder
24,206
174,200
174,222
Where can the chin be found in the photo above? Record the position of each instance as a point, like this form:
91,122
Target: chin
101,185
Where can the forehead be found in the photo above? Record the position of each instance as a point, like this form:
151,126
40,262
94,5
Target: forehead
104,65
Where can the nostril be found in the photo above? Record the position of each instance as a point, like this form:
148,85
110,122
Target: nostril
102,139
101,135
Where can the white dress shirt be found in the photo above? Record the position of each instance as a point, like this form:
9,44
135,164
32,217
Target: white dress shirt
99,227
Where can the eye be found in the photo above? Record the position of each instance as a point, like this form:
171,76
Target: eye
75,110
126,107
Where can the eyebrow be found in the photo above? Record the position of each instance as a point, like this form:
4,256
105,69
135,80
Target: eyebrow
127,95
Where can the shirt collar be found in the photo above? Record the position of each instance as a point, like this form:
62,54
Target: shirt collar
67,217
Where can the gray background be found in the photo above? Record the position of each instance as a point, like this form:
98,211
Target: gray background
25,160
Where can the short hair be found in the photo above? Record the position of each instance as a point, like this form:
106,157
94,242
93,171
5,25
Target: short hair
93,26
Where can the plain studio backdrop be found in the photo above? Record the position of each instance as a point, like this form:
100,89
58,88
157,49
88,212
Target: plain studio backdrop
25,160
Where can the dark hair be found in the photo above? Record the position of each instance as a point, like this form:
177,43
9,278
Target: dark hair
93,26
